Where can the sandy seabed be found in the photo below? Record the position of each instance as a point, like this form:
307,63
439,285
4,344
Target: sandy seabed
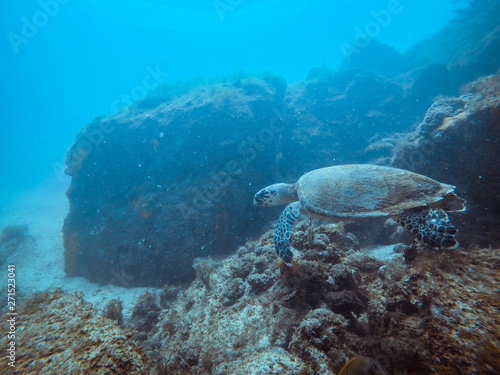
39,261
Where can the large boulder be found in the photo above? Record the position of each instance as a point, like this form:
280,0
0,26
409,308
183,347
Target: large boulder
153,189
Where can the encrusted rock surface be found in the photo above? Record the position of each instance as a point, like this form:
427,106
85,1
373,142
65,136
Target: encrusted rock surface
62,334
178,179
458,141
252,314
435,314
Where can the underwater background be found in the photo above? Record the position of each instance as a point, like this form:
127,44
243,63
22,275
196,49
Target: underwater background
135,134
86,55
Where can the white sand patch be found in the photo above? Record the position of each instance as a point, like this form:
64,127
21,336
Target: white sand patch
385,254
40,263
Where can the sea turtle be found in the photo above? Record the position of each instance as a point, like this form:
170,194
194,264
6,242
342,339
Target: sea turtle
357,191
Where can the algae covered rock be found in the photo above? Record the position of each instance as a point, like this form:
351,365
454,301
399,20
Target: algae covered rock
313,316
63,334
271,361
458,141
152,189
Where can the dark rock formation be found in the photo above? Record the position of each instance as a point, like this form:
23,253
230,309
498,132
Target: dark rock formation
376,57
458,142
152,190
463,50
468,46
338,116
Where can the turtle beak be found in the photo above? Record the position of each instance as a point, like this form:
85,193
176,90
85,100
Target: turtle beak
255,203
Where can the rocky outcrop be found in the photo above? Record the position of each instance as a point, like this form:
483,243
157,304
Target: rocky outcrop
153,189
334,303
459,142
63,334
463,50
467,47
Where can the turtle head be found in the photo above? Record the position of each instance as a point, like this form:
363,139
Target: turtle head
276,195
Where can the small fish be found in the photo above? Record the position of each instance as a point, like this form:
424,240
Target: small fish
362,365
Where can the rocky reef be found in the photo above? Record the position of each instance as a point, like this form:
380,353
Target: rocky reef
63,334
252,314
459,142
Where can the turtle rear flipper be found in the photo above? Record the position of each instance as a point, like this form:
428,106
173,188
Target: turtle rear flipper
429,225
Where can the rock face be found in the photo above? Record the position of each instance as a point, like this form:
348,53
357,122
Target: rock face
459,142
252,314
172,178
153,189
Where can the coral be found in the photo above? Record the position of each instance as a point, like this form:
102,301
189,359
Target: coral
321,331
63,334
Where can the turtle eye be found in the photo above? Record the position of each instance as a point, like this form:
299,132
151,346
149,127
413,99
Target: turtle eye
261,198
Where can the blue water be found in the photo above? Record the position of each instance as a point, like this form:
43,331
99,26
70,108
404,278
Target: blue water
63,63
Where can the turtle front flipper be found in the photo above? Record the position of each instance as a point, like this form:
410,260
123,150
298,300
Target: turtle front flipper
430,226
283,230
